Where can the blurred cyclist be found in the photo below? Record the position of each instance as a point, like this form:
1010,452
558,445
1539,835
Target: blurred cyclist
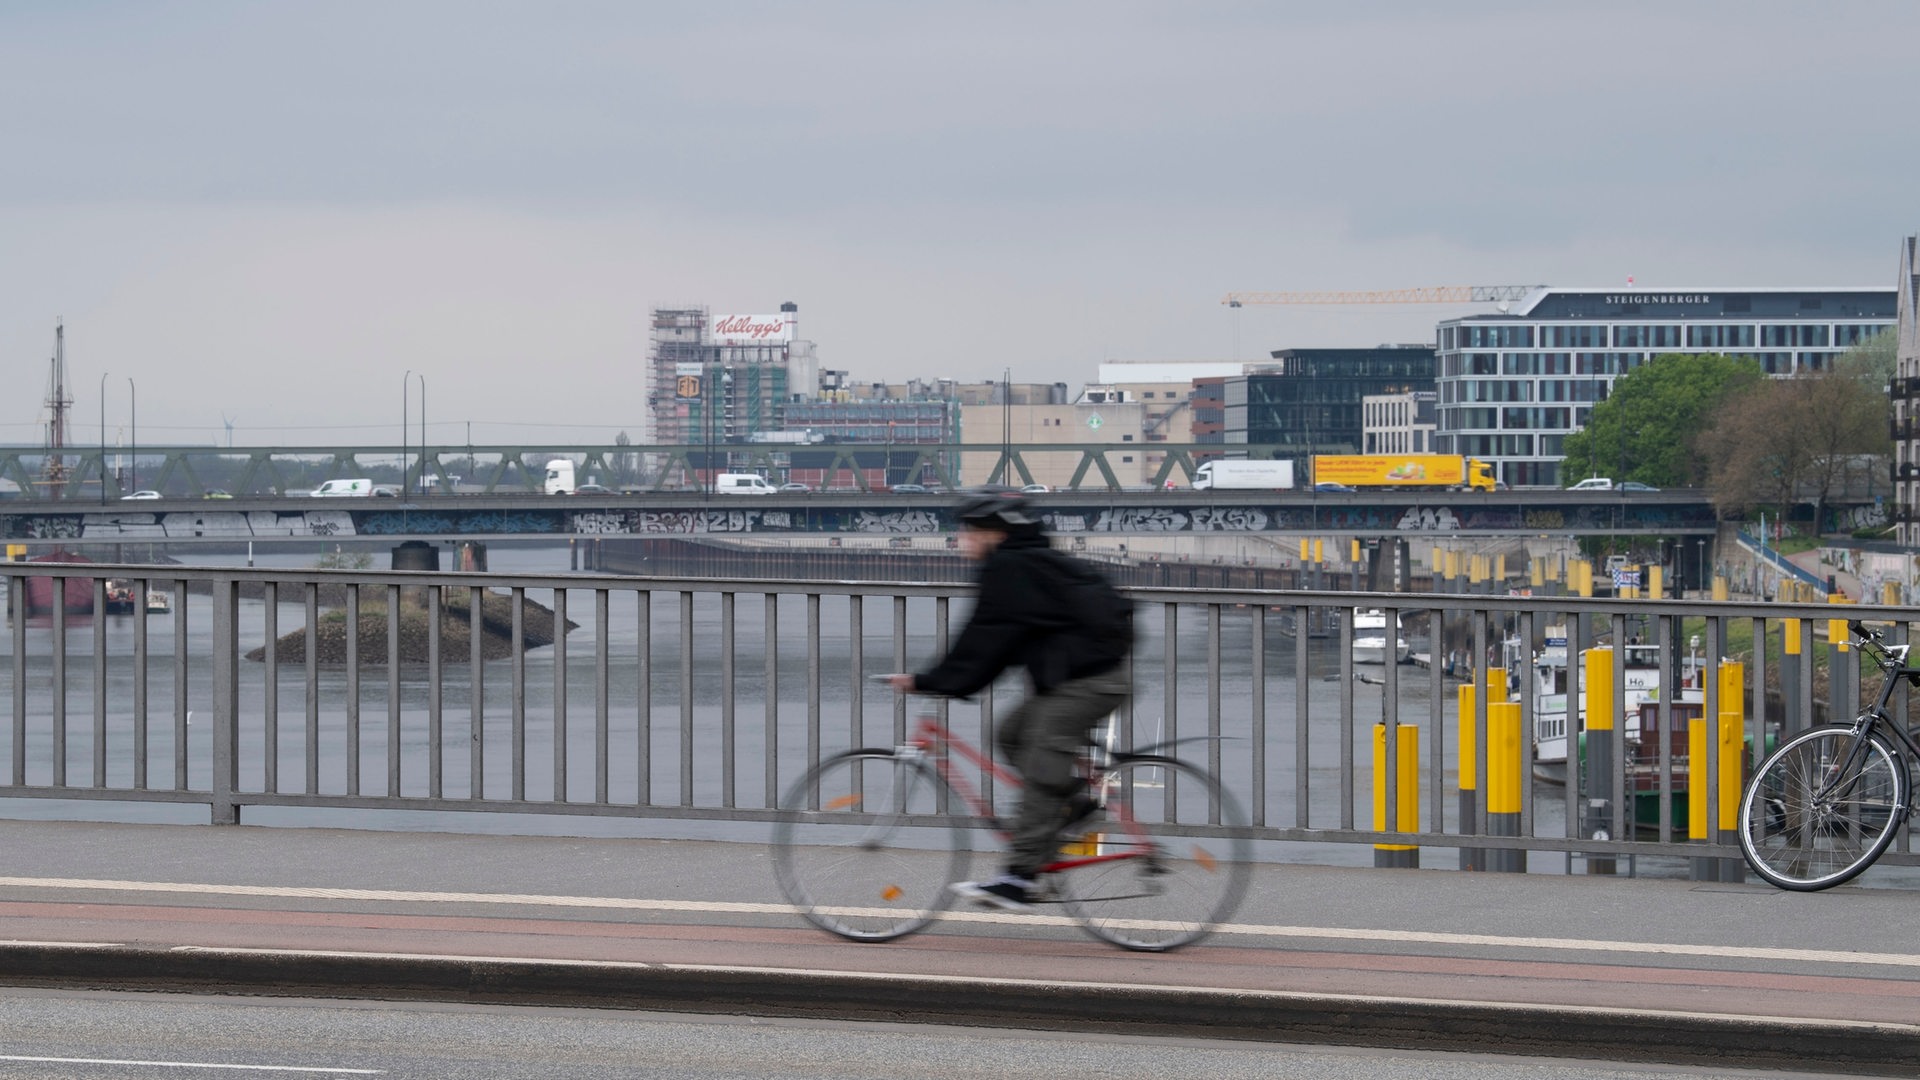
1059,618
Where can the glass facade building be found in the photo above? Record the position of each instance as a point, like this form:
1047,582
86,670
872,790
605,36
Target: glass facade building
1514,385
1311,400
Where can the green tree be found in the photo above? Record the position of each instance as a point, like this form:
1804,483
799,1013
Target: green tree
1646,428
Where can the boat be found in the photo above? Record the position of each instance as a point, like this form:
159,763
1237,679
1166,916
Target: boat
1543,674
158,603
1370,638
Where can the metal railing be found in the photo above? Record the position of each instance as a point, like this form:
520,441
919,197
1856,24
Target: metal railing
699,698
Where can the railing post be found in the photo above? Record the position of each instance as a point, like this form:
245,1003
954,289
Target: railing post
1594,737
226,697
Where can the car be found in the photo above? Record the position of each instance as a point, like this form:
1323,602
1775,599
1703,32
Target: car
911,489
218,493
1635,485
386,491
1329,485
1593,483
141,495
593,489
1035,489
795,486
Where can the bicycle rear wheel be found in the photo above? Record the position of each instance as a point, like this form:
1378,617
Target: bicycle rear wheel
866,844
1171,855
1822,808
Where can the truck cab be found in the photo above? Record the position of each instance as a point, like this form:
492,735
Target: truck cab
560,477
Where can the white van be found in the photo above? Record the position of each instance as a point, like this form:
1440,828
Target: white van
1593,483
736,483
560,477
343,487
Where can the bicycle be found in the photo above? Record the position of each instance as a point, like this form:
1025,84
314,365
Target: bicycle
1826,804
868,843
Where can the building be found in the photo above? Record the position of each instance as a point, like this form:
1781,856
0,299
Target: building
1310,400
716,379
992,427
1398,423
1906,396
1514,384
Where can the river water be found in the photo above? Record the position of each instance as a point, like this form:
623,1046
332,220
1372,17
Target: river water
838,683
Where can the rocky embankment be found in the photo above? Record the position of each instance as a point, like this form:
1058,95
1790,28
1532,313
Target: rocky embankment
496,631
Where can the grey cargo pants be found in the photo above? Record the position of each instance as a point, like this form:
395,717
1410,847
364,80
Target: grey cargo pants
1041,738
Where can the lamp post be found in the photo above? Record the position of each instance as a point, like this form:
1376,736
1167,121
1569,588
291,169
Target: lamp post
423,435
406,381
133,423
103,437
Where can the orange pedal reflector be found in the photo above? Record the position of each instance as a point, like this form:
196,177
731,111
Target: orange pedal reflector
843,802
891,892
1204,858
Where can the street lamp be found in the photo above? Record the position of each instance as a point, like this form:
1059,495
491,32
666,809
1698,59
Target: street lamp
406,381
133,423
423,435
103,437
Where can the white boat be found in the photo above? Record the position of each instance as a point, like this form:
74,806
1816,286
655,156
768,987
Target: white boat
1370,638
158,603
1548,683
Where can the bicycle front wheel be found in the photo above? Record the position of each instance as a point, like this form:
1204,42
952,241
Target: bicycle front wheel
866,844
1822,808
1166,860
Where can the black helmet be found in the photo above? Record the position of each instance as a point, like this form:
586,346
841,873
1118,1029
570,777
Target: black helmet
996,510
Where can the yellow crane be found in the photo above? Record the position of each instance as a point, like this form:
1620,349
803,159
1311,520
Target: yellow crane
1437,294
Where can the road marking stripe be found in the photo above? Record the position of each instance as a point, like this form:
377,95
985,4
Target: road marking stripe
193,1065
1416,937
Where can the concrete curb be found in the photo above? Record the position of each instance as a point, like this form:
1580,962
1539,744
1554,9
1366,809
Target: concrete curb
1615,1035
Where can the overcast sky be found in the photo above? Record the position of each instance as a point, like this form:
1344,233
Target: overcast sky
266,213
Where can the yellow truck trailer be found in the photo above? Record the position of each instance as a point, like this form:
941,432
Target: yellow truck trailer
1403,471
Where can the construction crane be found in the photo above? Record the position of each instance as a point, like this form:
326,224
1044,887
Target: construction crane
1438,294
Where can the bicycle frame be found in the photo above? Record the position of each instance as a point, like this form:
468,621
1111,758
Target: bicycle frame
935,742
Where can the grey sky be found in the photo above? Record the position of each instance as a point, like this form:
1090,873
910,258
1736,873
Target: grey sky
269,212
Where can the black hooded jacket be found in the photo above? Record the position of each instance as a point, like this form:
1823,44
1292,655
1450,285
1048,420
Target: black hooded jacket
1026,614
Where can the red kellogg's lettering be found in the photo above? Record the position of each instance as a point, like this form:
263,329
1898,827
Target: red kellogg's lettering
745,326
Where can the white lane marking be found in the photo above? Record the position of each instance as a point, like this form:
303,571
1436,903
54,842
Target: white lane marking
193,1065
1416,937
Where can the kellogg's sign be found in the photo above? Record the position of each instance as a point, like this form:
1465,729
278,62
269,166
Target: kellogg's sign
748,330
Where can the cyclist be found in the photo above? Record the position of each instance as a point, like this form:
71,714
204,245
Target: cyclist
1059,618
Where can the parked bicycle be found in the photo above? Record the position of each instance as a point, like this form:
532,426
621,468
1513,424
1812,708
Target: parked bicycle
868,842
1827,803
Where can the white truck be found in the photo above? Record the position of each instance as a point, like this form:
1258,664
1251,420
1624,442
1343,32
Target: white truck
560,477
332,488
734,483
1242,475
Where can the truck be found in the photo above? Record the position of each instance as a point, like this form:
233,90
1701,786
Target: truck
733,483
1432,471
1243,475
560,477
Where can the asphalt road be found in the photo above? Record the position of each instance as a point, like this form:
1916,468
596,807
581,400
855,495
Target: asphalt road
1612,969
59,1035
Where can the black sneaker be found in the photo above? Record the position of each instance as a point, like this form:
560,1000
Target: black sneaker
1006,892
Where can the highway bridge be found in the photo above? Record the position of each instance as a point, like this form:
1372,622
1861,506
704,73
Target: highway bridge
269,518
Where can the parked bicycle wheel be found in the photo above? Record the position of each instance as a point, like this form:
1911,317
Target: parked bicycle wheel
1169,877
866,843
1822,808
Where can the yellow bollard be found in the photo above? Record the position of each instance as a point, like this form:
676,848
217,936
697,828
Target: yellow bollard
1584,571
1655,583
1306,550
1720,589
1504,781
1890,593
1406,795
1468,771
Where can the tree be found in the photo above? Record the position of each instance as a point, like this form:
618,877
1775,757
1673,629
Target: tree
1646,428
1785,441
